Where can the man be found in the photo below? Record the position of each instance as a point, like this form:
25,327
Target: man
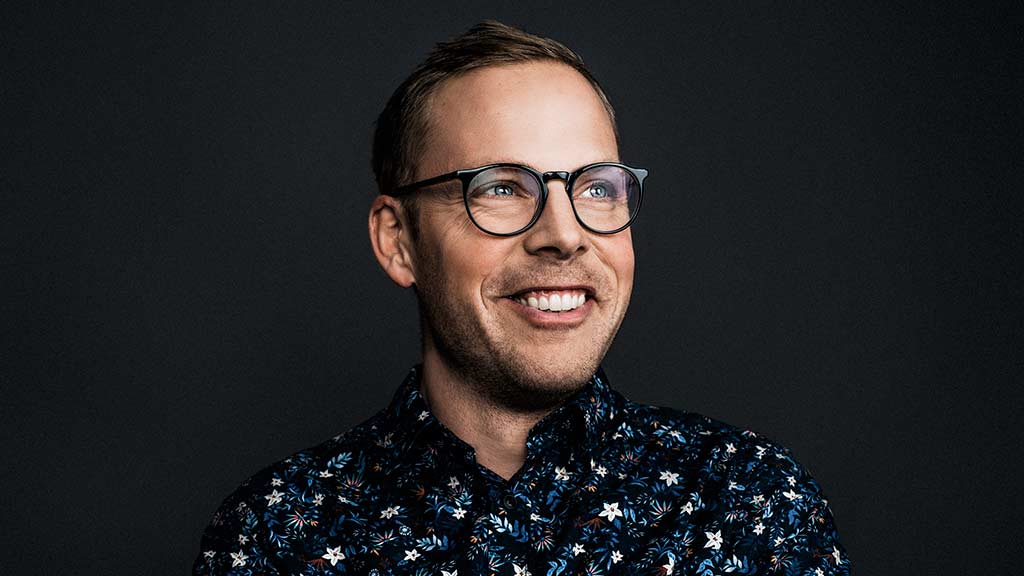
505,206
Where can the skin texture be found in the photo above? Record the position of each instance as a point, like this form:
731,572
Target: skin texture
491,370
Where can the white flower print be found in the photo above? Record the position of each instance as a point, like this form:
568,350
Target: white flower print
274,498
238,558
334,555
611,511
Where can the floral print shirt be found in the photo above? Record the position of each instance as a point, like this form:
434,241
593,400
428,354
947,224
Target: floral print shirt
608,487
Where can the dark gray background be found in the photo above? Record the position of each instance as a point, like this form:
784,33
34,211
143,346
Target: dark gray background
828,254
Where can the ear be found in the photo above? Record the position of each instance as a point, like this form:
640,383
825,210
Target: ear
391,240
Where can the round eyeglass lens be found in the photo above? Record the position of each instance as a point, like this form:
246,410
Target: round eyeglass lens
606,197
503,200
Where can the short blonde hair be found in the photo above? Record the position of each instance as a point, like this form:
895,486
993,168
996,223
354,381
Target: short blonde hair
402,128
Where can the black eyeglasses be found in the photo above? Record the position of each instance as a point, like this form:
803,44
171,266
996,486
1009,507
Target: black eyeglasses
507,199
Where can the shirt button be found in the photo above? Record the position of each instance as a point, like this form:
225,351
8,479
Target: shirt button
510,502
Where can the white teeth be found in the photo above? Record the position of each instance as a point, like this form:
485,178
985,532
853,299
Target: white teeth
554,302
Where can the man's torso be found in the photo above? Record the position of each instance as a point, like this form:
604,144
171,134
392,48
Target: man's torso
608,487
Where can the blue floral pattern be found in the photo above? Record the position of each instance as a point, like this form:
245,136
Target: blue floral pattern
608,487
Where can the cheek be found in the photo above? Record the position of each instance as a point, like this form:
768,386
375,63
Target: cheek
443,242
628,264
620,257
626,279
469,260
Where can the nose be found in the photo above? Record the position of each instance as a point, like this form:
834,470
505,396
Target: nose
557,233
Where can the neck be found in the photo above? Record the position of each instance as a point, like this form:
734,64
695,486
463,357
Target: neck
497,434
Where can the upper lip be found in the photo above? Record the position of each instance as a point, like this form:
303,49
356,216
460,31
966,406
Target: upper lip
555,288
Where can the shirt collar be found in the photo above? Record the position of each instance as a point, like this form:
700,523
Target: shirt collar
584,420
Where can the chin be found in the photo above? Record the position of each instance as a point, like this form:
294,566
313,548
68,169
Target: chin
556,375
530,386
527,378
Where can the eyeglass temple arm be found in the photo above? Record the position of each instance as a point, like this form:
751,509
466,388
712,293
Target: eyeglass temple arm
408,188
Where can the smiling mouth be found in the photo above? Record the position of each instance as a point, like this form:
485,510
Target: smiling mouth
551,300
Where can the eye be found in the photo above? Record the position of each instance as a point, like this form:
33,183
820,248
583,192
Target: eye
596,190
500,190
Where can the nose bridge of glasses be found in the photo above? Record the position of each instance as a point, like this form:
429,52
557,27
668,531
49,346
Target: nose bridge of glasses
556,175
553,210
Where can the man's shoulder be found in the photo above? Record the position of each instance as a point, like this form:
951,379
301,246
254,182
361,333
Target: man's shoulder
748,487
305,469
684,423
679,418
692,435
242,530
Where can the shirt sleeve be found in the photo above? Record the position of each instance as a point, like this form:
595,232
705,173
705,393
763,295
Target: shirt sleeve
802,536
234,542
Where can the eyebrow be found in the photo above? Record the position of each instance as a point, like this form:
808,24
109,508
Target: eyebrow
517,161
503,161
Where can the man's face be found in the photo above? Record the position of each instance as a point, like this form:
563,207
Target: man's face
471,284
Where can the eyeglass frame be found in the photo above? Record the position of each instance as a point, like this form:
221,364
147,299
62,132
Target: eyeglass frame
466,177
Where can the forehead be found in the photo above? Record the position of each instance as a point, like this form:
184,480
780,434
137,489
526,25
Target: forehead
544,114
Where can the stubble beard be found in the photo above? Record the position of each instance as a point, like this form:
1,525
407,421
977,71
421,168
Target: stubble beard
500,375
